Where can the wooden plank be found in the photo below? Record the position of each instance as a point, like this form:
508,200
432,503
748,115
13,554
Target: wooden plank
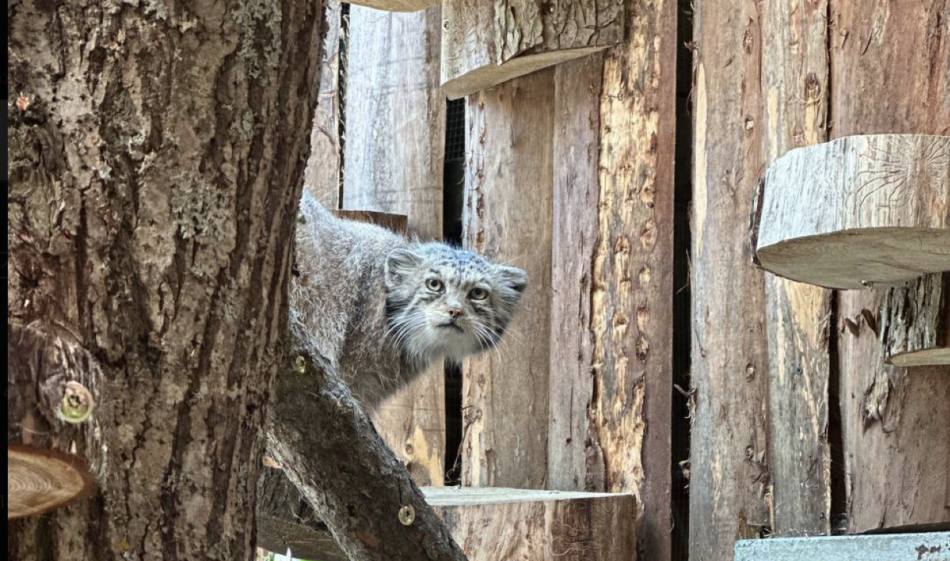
898,547
612,317
491,524
857,211
729,477
896,423
795,113
395,127
487,43
396,5
322,176
507,215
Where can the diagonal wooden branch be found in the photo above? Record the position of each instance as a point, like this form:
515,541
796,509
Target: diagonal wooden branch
333,455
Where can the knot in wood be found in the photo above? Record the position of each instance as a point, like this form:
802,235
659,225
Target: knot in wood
407,515
77,403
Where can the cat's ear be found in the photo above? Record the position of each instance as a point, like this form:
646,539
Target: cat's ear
513,278
400,263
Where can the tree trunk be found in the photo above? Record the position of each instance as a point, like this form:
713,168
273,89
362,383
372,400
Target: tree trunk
154,181
612,312
508,189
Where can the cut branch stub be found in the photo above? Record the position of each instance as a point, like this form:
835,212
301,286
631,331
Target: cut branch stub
858,211
485,43
915,322
39,480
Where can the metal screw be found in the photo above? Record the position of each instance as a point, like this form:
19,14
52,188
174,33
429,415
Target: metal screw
301,365
407,515
77,403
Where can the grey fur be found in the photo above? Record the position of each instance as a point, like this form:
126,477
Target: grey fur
370,299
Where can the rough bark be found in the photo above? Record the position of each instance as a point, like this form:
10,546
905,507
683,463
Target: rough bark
507,216
729,477
486,43
795,113
612,316
916,322
154,182
858,211
492,524
896,421
395,127
52,386
345,471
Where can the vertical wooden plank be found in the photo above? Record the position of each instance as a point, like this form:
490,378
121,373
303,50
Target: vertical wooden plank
729,477
612,311
508,207
795,96
322,175
395,138
890,74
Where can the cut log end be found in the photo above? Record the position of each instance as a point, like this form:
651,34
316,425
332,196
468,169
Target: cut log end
39,480
923,357
859,258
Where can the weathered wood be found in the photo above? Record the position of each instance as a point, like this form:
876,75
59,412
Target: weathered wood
916,322
52,389
322,176
611,316
491,524
485,43
507,215
395,222
896,423
156,165
858,211
729,476
344,470
795,91
395,127
900,547
396,5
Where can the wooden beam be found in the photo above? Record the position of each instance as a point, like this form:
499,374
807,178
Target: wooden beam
496,523
729,475
896,422
858,211
508,189
612,311
396,5
798,315
916,320
395,139
486,43
883,547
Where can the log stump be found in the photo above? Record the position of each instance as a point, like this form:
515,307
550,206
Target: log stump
858,211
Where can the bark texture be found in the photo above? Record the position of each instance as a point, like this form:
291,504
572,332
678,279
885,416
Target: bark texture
729,475
896,422
794,87
612,316
486,43
345,471
155,175
395,139
916,320
507,216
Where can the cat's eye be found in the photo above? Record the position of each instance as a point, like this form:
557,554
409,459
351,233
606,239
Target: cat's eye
435,285
478,293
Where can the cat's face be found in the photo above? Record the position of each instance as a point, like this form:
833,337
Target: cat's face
447,302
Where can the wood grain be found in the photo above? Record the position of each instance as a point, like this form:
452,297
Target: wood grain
858,211
322,175
395,126
916,322
896,421
507,216
794,86
487,43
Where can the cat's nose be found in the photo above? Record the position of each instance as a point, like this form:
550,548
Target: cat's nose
456,312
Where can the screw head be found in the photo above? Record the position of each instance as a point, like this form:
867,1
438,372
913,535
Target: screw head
77,403
407,515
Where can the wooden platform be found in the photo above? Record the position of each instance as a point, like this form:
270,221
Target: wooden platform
883,547
491,524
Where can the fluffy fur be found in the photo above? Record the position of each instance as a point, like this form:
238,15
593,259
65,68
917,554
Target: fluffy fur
382,308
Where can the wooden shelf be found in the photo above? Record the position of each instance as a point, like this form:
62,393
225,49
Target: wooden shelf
933,546
495,523
39,480
396,5
857,212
